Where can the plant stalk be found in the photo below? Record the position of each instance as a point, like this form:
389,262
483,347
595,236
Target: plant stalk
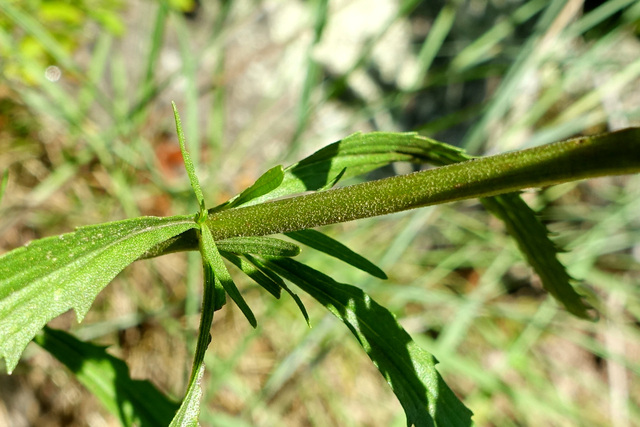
616,153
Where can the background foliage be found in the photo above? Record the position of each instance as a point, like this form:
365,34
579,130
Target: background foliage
268,82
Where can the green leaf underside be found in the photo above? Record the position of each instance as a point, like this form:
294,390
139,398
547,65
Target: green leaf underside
212,257
134,402
261,266
267,246
409,370
323,243
188,163
52,275
533,241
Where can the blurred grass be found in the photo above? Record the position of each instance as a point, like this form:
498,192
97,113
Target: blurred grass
265,83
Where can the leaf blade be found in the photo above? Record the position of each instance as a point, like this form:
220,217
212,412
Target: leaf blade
50,276
409,370
267,182
540,252
267,282
211,256
323,243
135,402
188,163
258,245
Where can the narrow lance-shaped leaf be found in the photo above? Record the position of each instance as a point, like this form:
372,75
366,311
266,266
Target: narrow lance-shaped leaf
50,276
323,243
409,370
541,253
134,402
268,283
188,163
268,182
212,257
212,299
262,267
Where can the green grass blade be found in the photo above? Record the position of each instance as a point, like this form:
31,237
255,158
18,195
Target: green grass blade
188,164
267,246
433,42
507,93
211,256
323,243
409,370
31,26
50,276
3,184
134,402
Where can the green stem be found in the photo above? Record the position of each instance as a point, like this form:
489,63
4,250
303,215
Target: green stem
616,153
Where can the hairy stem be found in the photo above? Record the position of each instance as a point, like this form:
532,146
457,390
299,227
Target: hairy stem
616,153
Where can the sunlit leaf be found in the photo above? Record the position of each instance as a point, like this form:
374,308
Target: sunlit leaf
134,402
409,370
188,163
50,276
189,411
268,182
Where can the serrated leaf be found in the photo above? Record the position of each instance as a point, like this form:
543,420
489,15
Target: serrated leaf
268,246
268,182
212,257
50,276
323,243
188,163
409,370
254,273
134,402
540,252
